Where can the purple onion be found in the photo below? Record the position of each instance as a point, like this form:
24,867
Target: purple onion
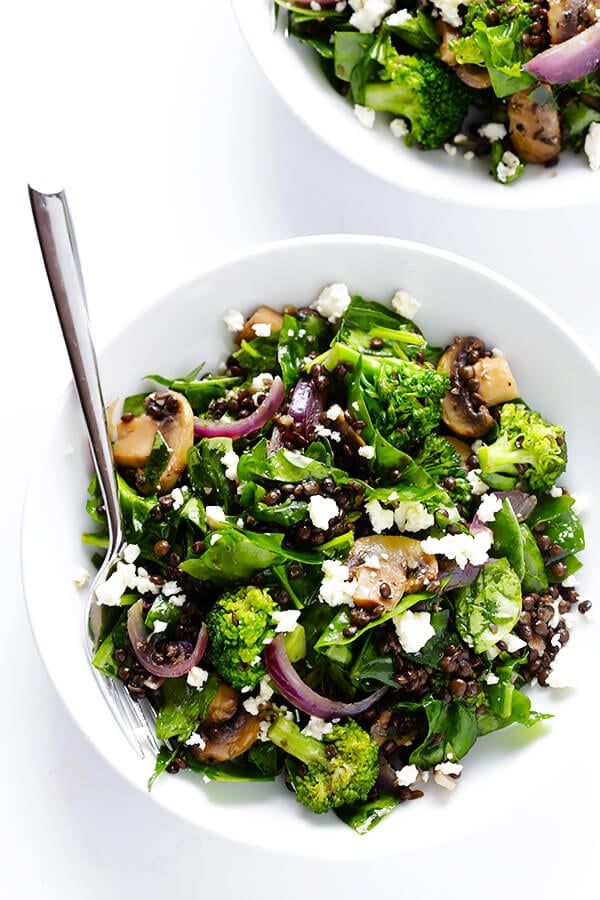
570,60
306,404
138,635
290,685
242,427
523,504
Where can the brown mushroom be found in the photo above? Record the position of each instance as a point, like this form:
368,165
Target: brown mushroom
497,384
168,412
463,409
386,567
475,76
447,34
534,128
264,315
228,739
223,706
566,18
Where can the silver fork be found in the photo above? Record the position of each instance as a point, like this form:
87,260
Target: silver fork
56,236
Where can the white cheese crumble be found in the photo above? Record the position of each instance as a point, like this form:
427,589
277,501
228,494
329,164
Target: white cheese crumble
253,705
468,155
316,7
341,5
366,451
368,14
489,506
450,149
507,167
448,10
413,629
332,302
286,619
399,128
405,304
262,382
130,553
555,491
381,519
399,18
215,516
411,515
322,510
196,740
336,586
365,115
197,677
159,626
591,146
81,577
464,548
178,498
316,727
493,131
478,486
334,412
230,460
262,329
513,642
234,320
322,431
446,773
406,776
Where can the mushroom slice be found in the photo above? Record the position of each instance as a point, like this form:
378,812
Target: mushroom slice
447,34
386,567
475,76
226,740
223,706
497,384
463,408
565,18
264,316
534,128
168,412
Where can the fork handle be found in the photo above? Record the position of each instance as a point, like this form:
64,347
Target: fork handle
56,236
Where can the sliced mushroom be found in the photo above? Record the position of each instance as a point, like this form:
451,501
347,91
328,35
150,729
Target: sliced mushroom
534,128
475,76
565,18
226,740
264,315
223,705
497,384
388,566
463,409
447,34
168,412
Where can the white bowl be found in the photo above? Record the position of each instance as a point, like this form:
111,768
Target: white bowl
172,337
293,70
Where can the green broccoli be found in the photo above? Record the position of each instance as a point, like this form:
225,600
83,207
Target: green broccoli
442,462
238,625
340,769
527,446
423,90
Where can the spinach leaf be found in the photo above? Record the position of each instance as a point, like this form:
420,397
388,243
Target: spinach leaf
183,707
258,355
363,817
535,579
207,473
508,538
488,609
160,454
451,731
284,466
300,335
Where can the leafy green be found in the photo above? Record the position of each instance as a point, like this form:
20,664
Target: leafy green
183,707
488,609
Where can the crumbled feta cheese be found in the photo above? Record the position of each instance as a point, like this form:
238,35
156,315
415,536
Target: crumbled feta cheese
109,593
478,486
368,14
316,7
406,776
450,149
492,678
513,643
405,304
336,586
178,498
411,515
234,320
316,727
372,562
449,768
563,673
460,138
399,128
507,167
81,577
413,629
261,383
448,10
322,431
570,582
334,412
230,460
464,548
468,155
253,705
489,506
445,774
197,677
365,115
159,626
381,519
261,329
341,5
286,619
332,302
321,510
493,131
196,740
130,553
399,18
591,146
215,516
366,451
555,491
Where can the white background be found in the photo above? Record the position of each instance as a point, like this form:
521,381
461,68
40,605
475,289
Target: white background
175,152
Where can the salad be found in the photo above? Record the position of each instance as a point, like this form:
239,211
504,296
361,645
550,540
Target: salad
512,82
347,555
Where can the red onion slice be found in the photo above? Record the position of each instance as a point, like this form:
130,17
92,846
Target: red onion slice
138,635
523,504
306,404
242,427
569,60
290,685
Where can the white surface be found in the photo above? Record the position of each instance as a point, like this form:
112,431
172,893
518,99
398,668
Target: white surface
175,152
449,290
295,72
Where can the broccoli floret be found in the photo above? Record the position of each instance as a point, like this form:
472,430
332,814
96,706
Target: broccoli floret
404,398
340,769
442,462
527,446
426,92
238,625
